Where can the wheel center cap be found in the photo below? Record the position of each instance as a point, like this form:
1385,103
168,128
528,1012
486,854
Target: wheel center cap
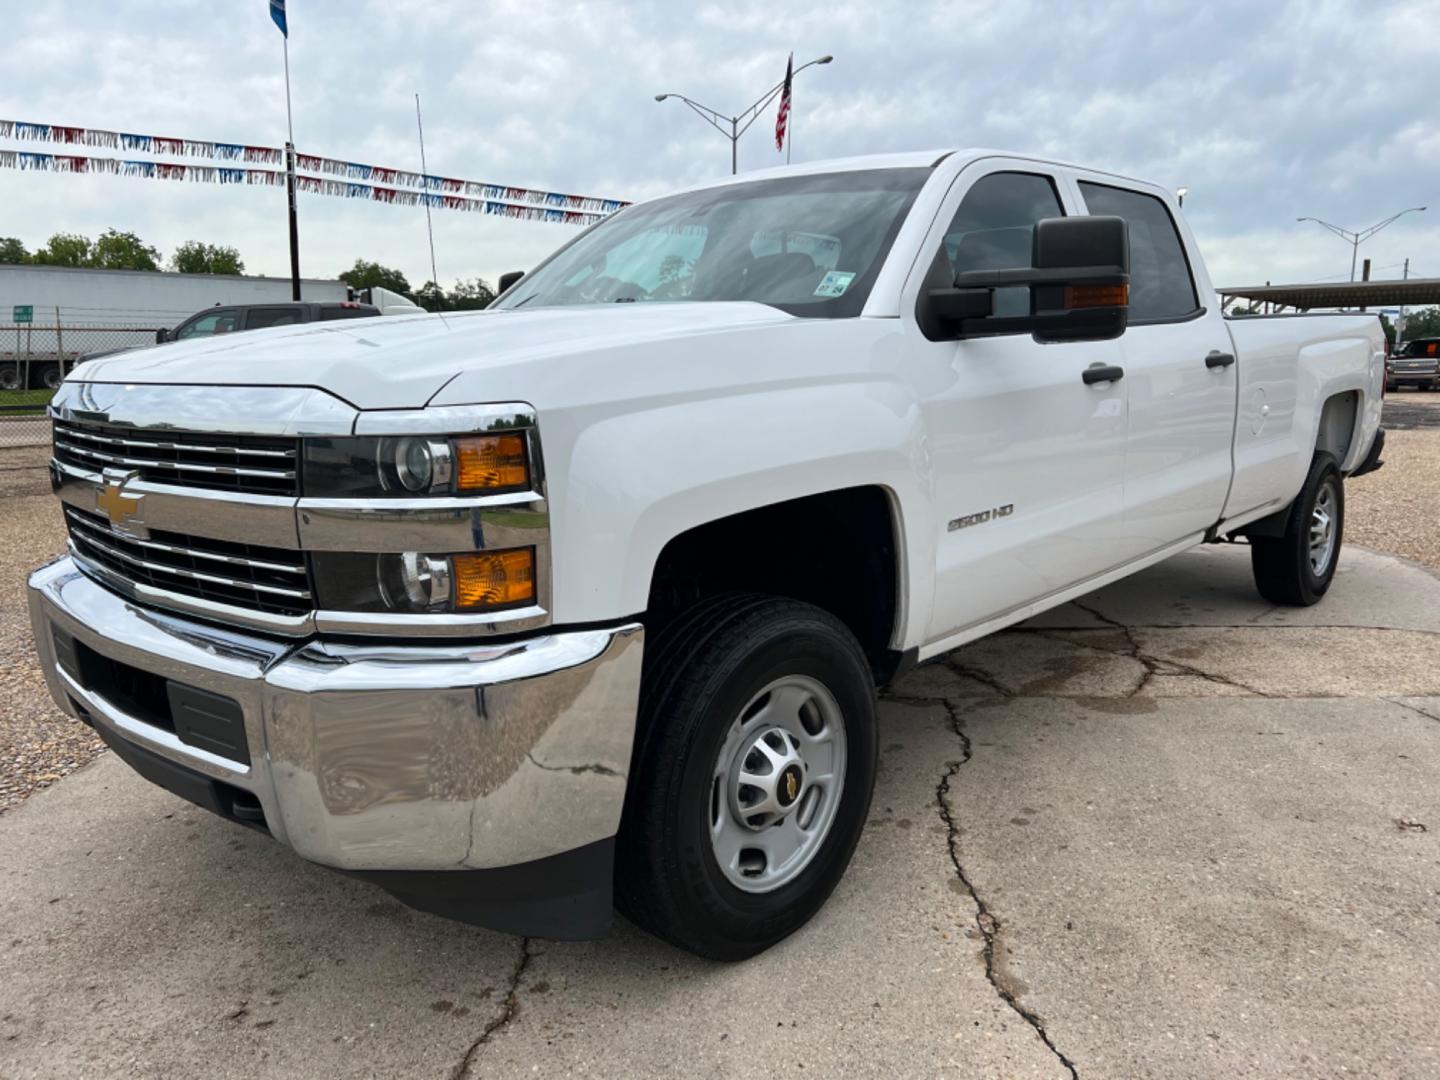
788,789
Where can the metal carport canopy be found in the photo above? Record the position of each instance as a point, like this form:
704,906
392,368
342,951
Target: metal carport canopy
1336,294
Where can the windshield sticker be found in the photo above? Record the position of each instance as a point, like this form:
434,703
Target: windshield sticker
834,283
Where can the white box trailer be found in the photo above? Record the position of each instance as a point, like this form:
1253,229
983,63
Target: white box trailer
49,315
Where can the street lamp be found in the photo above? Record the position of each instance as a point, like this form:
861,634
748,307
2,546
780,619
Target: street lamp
717,119
1355,239
1180,194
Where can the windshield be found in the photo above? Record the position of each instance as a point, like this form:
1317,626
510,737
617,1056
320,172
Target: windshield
810,245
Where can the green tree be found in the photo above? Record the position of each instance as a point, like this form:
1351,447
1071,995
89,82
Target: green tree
431,297
470,295
64,249
1422,323
12,250
365,274
198,257
115,250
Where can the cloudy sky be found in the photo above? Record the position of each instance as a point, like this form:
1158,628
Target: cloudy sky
1265,111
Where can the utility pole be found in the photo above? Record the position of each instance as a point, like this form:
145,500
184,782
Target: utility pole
1400,319
277,13
719,120
1357,237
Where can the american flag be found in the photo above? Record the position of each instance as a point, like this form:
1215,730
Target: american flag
783,116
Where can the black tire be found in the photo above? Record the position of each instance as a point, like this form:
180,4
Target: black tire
10,377
48,377
704,669
1282,565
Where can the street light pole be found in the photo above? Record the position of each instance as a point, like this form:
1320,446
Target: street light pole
1356,238
718,120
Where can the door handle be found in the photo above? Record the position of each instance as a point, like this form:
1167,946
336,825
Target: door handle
1218,359
1102,373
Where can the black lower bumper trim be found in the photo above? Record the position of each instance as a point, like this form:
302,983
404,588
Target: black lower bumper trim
230,802
565,897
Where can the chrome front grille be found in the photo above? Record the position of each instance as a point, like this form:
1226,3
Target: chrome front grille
247,463
271,580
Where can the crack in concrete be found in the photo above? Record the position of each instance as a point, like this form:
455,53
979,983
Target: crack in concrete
1412,708
980,675
986,920
578,770
1153,664
509,1009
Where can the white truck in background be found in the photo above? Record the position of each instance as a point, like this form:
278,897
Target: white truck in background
583,599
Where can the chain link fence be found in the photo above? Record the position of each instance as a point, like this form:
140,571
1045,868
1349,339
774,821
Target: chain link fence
34,358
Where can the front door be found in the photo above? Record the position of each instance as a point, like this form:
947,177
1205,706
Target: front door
1027,458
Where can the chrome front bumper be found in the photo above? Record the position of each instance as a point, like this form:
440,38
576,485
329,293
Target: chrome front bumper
376,757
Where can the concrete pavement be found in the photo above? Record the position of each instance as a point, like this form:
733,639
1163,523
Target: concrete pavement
1167,831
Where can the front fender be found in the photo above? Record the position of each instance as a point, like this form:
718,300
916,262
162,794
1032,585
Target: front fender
634,481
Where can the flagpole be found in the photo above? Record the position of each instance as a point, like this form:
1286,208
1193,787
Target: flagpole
425,184
790,121
290,178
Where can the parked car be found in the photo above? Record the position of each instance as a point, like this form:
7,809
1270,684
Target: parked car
231,318
1415,363
584,598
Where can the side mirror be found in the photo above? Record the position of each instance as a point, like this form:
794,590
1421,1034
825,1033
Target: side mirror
510,278
161,336
1079,282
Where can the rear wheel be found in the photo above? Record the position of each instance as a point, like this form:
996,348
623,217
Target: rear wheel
10,377
752,774
48,377
1296,569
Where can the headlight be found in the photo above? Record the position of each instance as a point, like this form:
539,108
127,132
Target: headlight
414,582
417,465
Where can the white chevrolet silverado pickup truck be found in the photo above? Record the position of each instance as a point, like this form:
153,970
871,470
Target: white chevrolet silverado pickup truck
581,601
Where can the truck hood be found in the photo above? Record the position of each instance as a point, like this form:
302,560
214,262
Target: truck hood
403,362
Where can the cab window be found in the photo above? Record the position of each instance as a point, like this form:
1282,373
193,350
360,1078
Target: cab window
274,316
1161,288
217,322
994,226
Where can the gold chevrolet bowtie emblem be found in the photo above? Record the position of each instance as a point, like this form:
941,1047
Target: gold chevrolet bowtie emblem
118,506
792,788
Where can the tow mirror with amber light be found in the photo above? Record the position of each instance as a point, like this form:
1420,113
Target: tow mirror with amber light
1078,281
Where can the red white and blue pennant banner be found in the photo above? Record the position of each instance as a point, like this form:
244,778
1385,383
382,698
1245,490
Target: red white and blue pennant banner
380,177
219,174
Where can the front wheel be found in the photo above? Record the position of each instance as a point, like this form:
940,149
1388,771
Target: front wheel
1296,568
752,774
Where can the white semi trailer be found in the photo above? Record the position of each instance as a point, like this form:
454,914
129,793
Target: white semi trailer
49,315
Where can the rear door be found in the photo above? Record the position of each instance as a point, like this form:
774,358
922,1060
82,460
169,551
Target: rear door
1027,458
259,317
1181,376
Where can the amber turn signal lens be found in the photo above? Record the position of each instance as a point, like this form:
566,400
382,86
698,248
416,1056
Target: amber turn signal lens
491,462
493,579
1083,296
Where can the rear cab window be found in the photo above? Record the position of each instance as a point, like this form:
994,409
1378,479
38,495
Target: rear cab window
256,318
1162,288
331,312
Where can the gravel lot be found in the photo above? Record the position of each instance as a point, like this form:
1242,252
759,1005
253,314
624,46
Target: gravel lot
37,744
1393,510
